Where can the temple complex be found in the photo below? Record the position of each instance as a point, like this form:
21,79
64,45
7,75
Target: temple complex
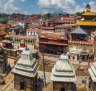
88,22
63,75
92,79
25,72
53,43
83,44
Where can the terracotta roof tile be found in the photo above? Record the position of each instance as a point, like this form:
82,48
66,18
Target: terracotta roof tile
54,36
68,18
34,29
3,33
47,28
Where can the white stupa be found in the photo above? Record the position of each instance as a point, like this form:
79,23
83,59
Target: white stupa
63,71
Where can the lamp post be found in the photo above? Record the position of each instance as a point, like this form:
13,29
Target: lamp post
43,48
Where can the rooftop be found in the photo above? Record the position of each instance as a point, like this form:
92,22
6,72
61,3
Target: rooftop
68,18
54,36
86,23
88,14
78,30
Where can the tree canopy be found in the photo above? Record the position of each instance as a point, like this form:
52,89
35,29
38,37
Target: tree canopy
47,16
3,20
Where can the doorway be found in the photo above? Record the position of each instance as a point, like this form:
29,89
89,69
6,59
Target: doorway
62,89
22,85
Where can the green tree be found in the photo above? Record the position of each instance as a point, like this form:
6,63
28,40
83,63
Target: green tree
3,20
47,16
78,13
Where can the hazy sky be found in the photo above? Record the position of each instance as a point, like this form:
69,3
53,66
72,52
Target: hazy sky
44,6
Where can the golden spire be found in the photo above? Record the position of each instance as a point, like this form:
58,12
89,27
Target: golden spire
88,8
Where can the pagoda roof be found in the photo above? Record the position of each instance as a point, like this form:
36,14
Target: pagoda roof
88,13
86,23
78,30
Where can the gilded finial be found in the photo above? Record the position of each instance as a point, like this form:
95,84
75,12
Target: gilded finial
88,8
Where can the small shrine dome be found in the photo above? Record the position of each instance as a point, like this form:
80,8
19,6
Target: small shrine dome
74,50
64,57
26,51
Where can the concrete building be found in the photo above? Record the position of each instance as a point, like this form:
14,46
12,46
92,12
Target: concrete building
53,43
63,75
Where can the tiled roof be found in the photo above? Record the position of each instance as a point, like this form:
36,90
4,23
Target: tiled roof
22,37
89,14
3,33
64,26
53,35
34,29
86,23
68,18
48,28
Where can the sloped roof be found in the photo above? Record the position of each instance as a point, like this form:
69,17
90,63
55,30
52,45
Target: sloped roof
88,14
78,31
53,35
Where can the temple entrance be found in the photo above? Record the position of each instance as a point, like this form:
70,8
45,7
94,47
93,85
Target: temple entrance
22,85
62,89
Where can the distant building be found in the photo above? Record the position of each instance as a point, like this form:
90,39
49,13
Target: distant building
33,31
53,43
63,28
25,72
83,44
63,75
15,30
68,20
48,29
26,39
